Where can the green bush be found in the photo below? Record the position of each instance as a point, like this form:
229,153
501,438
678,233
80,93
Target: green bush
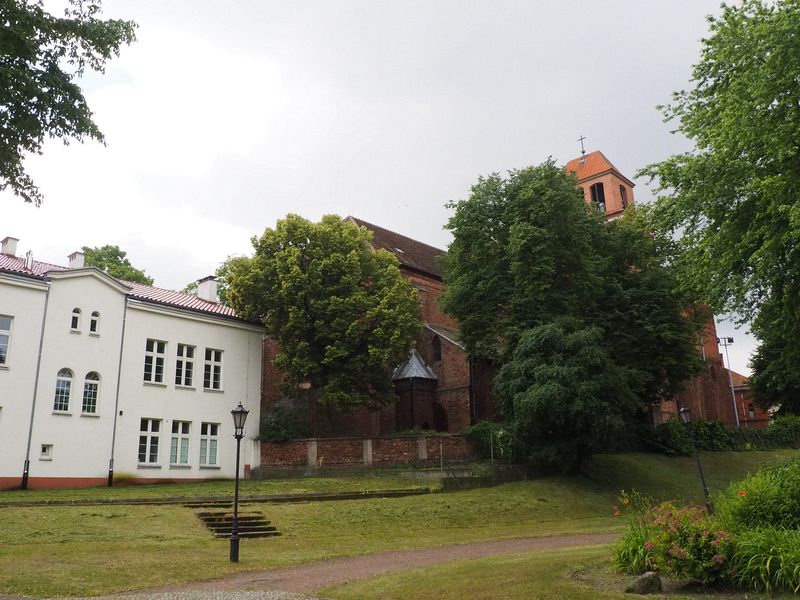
630,554
493,440
785,431
282,422
767,559
769,498
680,542
671,438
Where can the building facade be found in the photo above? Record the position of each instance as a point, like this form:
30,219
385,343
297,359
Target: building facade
101,378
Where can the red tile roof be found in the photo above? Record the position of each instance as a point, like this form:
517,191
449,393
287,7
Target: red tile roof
147,293
591,165
411,253
739,380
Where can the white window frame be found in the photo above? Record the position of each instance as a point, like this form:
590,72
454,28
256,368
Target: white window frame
184,365
94,323
46,452
209,445
149,436
63,390
75,320
179,444
212,370
91,393
155,356
5,337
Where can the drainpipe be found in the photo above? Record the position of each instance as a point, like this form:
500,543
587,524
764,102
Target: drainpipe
27,465
116,397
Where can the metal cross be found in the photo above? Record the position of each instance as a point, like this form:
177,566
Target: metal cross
580,139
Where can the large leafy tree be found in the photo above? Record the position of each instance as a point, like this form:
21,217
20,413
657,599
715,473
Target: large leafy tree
736,197
114,261
584,318
340,310
40,57
776,377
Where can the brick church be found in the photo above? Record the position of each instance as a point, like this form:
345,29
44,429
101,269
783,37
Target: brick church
441,388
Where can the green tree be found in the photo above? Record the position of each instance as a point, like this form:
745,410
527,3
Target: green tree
114,261
341,312
40,56
533,275
735,199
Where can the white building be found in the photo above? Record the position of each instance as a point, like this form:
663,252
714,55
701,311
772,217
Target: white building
102,378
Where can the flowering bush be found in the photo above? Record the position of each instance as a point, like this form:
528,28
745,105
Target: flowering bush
682,542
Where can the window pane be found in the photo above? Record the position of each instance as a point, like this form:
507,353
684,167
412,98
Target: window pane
173,451
142,448
5,323
212,452
184,451
154,447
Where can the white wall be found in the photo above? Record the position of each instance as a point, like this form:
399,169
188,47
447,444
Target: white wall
23,299
241,382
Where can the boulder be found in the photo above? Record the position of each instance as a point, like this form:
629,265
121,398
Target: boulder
649,583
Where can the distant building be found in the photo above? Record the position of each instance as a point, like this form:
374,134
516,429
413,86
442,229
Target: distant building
101,377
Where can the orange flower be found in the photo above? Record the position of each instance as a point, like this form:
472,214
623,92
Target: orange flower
742,493
616,513
626,501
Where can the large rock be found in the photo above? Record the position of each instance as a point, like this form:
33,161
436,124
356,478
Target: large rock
649,583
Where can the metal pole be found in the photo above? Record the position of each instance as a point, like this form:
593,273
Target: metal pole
709,507
234,555
730,379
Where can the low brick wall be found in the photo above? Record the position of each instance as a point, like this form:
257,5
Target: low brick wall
383,451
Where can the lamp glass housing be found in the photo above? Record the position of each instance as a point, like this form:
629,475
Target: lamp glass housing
239,415
684,414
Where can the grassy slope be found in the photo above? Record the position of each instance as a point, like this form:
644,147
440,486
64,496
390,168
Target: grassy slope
91,550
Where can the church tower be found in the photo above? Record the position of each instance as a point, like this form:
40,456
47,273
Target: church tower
603,185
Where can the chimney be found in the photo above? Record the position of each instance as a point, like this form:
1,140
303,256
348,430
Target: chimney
207,289
9,246
76,260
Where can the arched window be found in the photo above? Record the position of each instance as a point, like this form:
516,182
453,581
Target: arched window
75,324
598,196
437,348
63,388
94,322
91,387
623,194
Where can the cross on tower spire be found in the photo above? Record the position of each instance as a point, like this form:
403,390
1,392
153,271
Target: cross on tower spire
580,139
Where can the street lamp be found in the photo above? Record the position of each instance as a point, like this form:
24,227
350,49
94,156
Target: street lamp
728,341
239,415
684,413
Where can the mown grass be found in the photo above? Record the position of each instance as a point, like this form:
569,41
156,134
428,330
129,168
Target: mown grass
364,482
569,574
74,550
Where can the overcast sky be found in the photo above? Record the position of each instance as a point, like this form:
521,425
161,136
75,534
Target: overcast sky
226,115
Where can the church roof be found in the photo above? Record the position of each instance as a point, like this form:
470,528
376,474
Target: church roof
147,293
592,165
414,368
411,253
739,380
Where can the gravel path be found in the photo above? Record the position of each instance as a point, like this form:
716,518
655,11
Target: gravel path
310,577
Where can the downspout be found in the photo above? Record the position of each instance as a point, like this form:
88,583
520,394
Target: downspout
116,397
26,466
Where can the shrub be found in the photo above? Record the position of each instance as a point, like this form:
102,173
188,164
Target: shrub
282,422
630,553
767,559
671,438
769,498
785,432
681,542
493,439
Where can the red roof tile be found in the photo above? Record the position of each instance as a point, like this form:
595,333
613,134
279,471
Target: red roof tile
739,380
148,293
411,253
592,164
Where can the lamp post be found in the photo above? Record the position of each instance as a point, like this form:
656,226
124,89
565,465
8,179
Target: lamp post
684,413
239,415
725,342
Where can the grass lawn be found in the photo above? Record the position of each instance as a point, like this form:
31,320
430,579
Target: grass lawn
83,550
368,481
569,574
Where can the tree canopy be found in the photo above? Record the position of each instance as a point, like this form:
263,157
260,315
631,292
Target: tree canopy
735,198
40,57
114,261
340,310
580,315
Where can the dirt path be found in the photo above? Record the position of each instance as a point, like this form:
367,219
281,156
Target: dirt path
313,576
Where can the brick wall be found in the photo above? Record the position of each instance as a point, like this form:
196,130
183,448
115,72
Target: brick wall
383,451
